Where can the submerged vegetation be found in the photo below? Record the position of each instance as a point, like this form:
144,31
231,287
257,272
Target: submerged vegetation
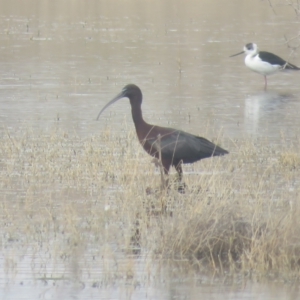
92,202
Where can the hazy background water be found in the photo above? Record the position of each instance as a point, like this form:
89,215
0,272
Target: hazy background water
61,61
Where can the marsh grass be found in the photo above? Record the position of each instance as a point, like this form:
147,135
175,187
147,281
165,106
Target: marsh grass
95,202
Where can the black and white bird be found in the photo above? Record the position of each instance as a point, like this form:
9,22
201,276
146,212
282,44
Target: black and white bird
264,63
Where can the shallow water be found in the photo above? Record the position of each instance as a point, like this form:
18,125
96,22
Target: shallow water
61,61
63,283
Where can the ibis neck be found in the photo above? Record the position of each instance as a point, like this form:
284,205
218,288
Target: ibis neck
137,115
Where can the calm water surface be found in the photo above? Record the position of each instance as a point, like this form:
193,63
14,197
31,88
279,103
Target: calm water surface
61,61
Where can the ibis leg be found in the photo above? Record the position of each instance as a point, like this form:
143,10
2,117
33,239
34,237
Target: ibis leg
179,171
164,177
181,185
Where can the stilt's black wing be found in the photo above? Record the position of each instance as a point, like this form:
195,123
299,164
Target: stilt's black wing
276,60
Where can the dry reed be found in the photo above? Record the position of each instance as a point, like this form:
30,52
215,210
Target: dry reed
94,198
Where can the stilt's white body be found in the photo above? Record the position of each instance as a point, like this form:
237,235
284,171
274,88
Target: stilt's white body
259,66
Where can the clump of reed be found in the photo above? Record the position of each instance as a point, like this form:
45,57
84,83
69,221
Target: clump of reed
245,218
97,200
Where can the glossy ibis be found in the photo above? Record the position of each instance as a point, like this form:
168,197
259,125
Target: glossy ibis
176,146
264,63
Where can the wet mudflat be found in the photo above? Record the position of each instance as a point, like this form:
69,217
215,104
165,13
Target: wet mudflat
73,190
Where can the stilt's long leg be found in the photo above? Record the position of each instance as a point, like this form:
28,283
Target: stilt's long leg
266,83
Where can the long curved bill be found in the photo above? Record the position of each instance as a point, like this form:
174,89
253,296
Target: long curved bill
118,97
237,54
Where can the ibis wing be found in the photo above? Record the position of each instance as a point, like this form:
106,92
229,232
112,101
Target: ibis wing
179,145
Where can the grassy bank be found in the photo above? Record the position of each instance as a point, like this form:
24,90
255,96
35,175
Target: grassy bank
88,200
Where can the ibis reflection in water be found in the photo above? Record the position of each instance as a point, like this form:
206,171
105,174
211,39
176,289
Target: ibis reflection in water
264,63
173,147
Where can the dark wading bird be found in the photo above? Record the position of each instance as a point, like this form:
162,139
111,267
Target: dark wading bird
176,146
264,63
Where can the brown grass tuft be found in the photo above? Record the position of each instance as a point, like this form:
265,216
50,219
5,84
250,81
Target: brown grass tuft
290,159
